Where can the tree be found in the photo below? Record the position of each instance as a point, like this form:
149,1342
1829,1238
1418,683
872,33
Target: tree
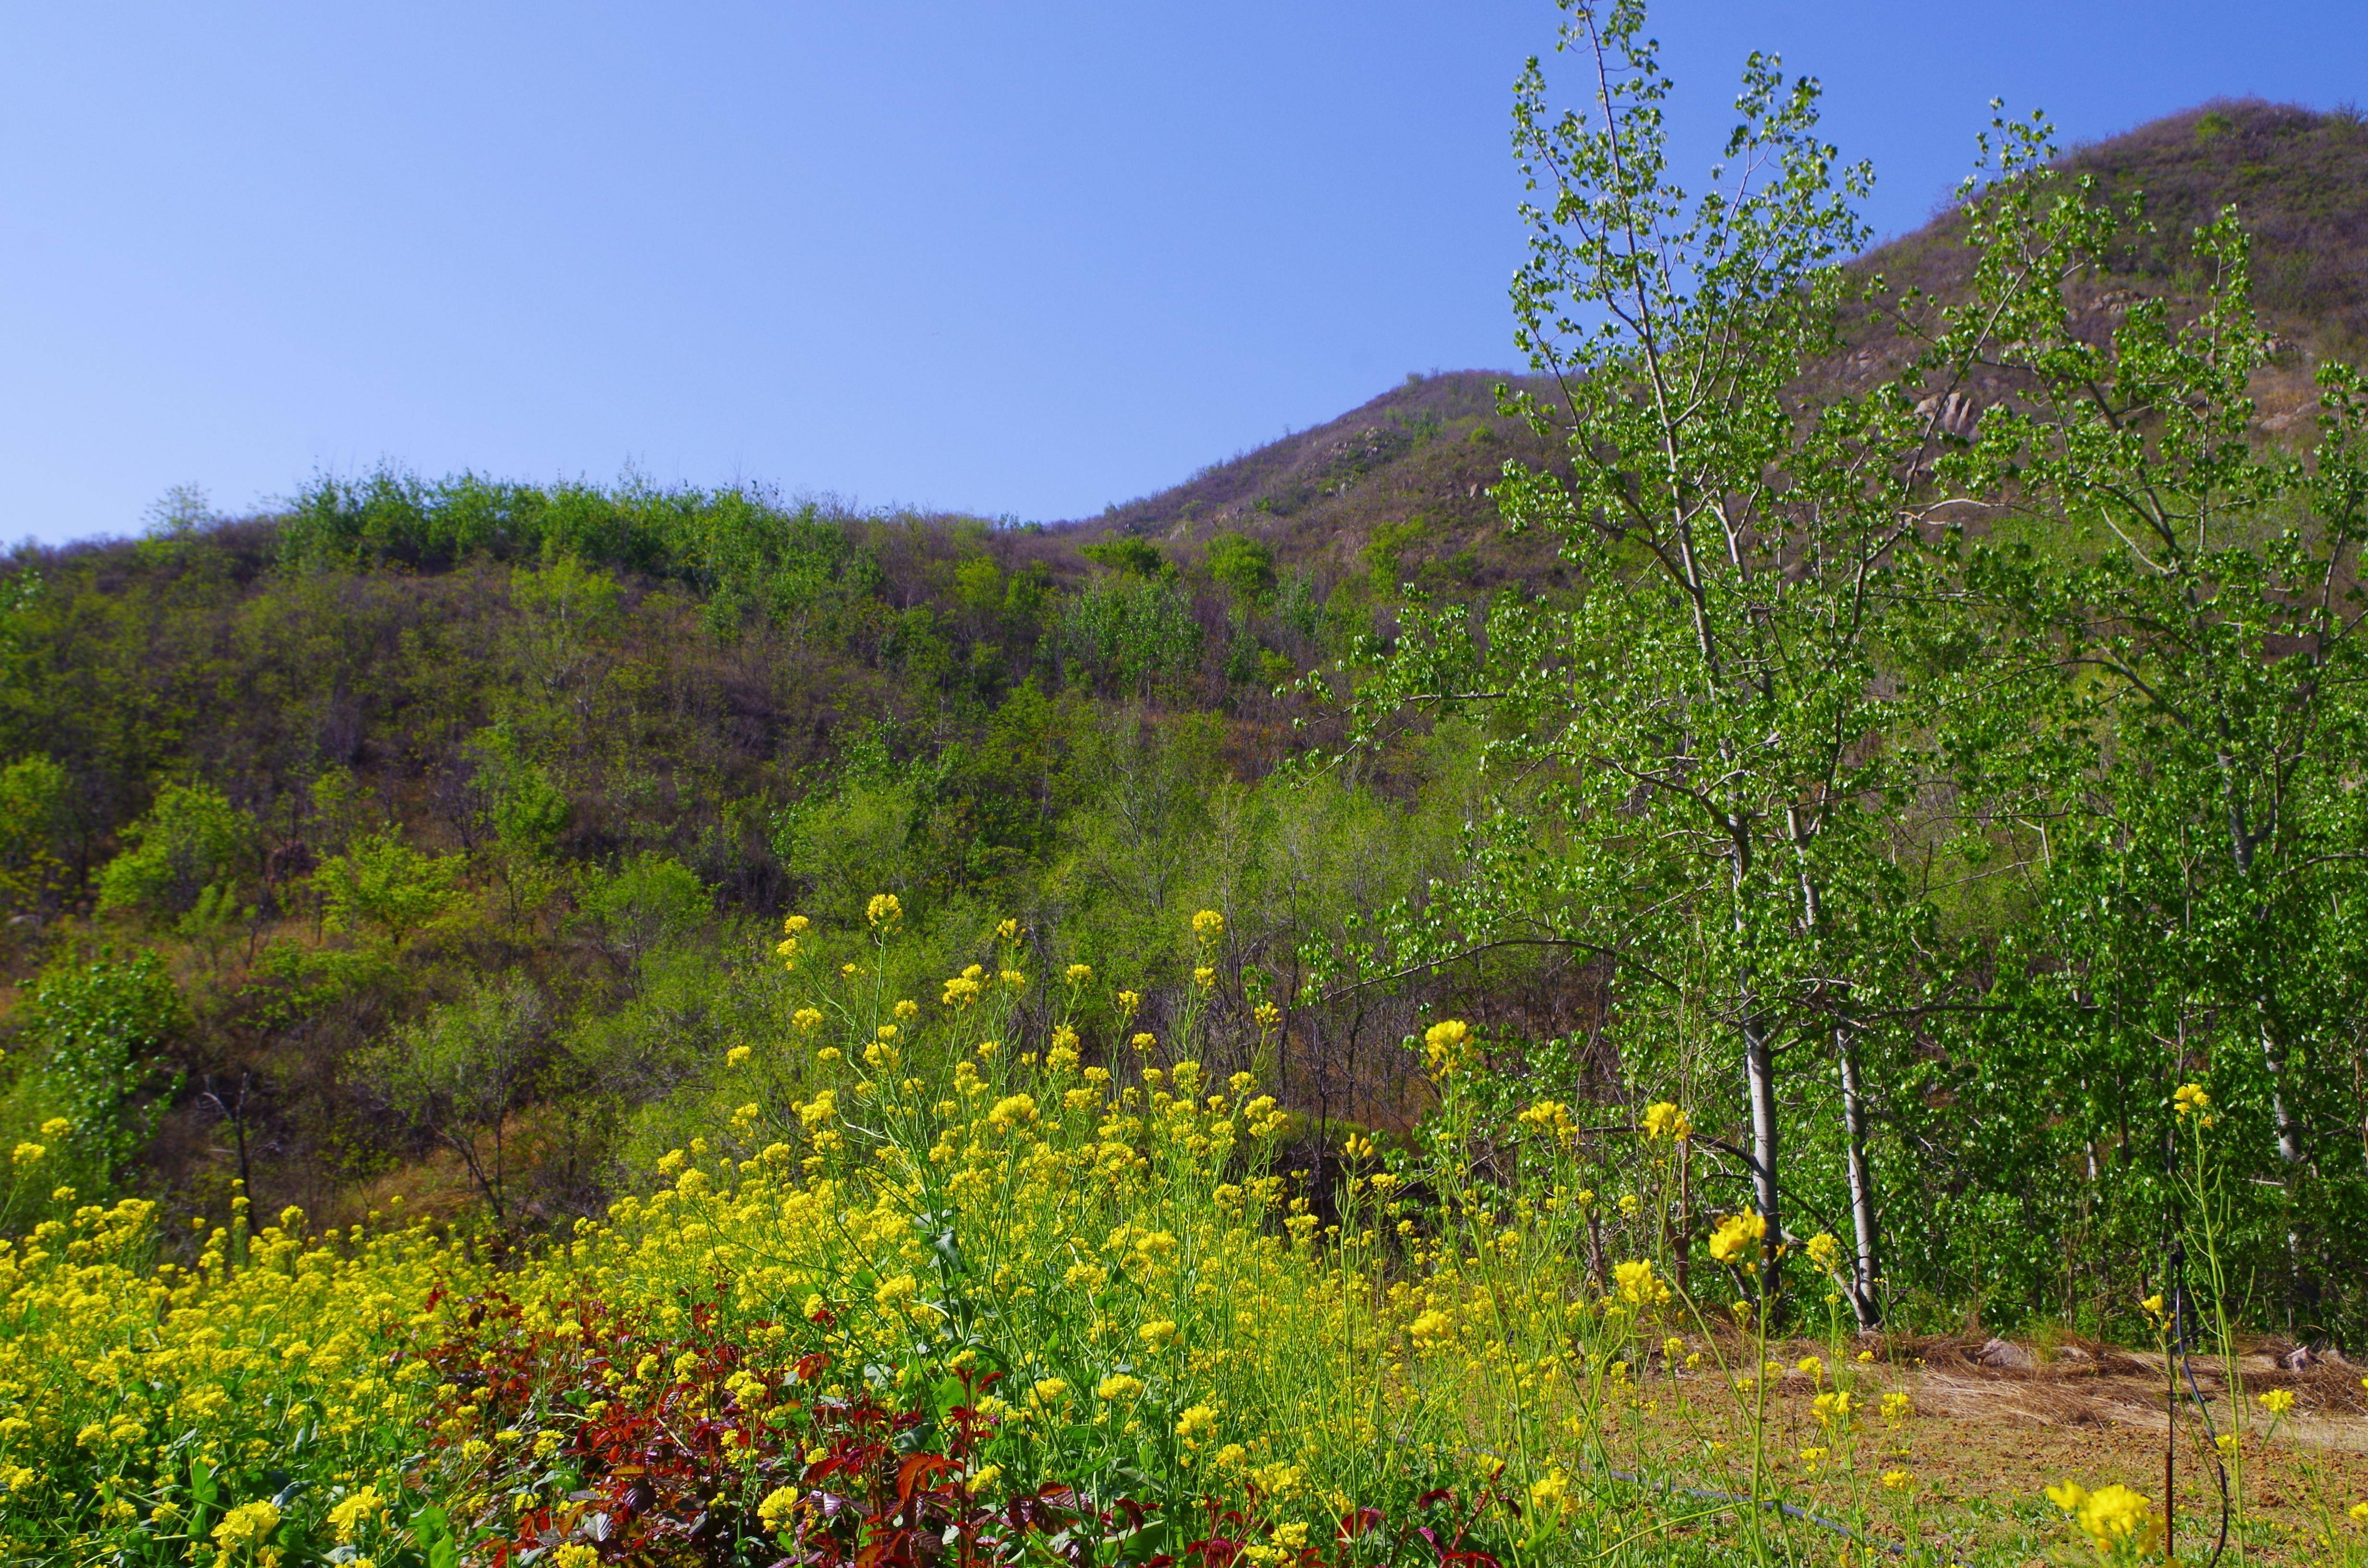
1243,564
382,881
463,1071
1693,766
2181,598
97,1028
1126,555
32,813
649,901
191,839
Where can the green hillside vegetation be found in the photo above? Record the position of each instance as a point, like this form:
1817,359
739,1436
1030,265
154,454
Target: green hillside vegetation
344,768
1408,966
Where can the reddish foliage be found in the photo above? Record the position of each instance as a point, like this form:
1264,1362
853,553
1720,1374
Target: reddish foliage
669,1446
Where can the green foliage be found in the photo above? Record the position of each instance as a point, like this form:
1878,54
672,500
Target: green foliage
32,815
528,813
1126,555
92,1086
192,839
1131,637
651,901
1243,564
463,1070
383,883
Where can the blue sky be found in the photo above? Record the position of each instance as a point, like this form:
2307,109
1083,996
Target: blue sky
1017,258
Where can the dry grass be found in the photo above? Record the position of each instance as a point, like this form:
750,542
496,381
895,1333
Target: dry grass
1985,1440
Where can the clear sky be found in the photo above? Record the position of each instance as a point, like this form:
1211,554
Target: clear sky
1019,257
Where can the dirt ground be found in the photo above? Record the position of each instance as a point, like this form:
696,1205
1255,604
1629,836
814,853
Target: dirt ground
1996,1422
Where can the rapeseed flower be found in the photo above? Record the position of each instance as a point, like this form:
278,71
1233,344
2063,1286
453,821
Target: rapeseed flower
1737,1234
1442,1046
2110,1516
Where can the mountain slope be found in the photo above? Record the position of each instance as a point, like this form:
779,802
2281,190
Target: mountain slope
1403,475
1400,478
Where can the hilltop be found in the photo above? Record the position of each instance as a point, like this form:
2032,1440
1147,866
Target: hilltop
1400,480
1406,474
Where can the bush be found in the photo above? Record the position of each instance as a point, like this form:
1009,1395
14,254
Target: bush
193,839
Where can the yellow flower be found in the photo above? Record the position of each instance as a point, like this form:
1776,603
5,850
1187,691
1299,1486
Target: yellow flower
1009,931
2190,1098
28,1154
1549,1492
736,1055
1012,1111
1548,1116
348,1517
1077,973
1198,1421
1208,924
575,1554
778,1506
1118,1386
1737,1234
884,909
1824,1251
1666,1120
1047,1390
2108,1516
56,1127
805,1020
2277,1402
1637,1284
794,925
1442,1045
2360,1512
249,1524
1158,1333
1205,977
908,1009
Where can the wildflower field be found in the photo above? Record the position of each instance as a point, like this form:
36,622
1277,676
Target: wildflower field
938,1292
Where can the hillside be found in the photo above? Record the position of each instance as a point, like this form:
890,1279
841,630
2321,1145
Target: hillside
1398,483
1405,472
790,705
